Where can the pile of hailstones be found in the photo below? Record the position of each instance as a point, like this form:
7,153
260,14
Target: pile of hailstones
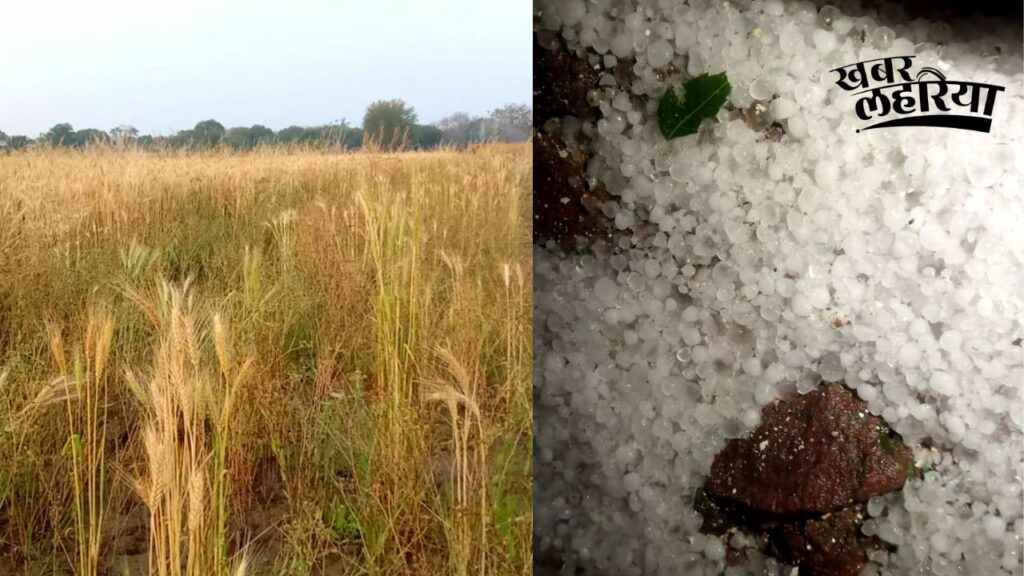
748,269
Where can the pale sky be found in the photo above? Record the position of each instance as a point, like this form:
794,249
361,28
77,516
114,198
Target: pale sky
163,65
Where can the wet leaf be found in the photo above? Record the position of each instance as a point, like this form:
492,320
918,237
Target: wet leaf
703,97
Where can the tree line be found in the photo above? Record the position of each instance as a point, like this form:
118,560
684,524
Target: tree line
387,124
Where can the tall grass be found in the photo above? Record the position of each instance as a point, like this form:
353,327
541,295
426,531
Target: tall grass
186,413
320,362
83,386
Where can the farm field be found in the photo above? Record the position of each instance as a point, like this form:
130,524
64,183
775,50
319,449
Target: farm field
283,361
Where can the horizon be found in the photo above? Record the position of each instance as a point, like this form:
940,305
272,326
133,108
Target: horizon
350,124
164,67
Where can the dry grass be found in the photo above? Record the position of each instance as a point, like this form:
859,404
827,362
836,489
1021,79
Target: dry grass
290,362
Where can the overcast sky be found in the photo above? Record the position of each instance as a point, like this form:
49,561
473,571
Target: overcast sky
163,65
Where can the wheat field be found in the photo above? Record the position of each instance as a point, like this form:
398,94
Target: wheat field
285,361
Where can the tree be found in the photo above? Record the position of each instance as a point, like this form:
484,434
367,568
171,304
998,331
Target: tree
18,142
83,138
514,115
428,136
353,138
513,122
5,141
510,123
182,139
328,135
457,129
238,137
337,134
454,121
291,134
207,133
245,138
124,133
261,135
389,122
60,135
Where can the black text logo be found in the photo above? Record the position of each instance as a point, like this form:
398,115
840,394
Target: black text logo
918,102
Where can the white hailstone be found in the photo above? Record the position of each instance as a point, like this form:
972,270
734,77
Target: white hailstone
782,108
751,418
606,290
624,220
622,45
995,526
914,166
867,392
882,37
659,54
830,367
826,173
553,361
632,482
936,155
621,102
804,65
809,94
819,296
903,47
797,127
824,41
573,12
794,359
888,531
774,7
752,366
791,40
923,412
942,383
801,305
985,308
762,89
842,25
932,237
626,454
983,172
764,393
684,36
950,340
679,170
909,355
714,549
785,287
939,542
828,15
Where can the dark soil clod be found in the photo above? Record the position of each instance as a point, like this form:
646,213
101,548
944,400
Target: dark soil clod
803,476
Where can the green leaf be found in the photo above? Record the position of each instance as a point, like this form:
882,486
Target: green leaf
704,96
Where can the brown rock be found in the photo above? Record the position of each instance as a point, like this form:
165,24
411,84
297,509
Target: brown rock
817,453
802,478
830,546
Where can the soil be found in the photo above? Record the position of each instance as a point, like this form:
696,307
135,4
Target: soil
566,207
561,81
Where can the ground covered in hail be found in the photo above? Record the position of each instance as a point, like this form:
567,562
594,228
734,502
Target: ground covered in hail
776,249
